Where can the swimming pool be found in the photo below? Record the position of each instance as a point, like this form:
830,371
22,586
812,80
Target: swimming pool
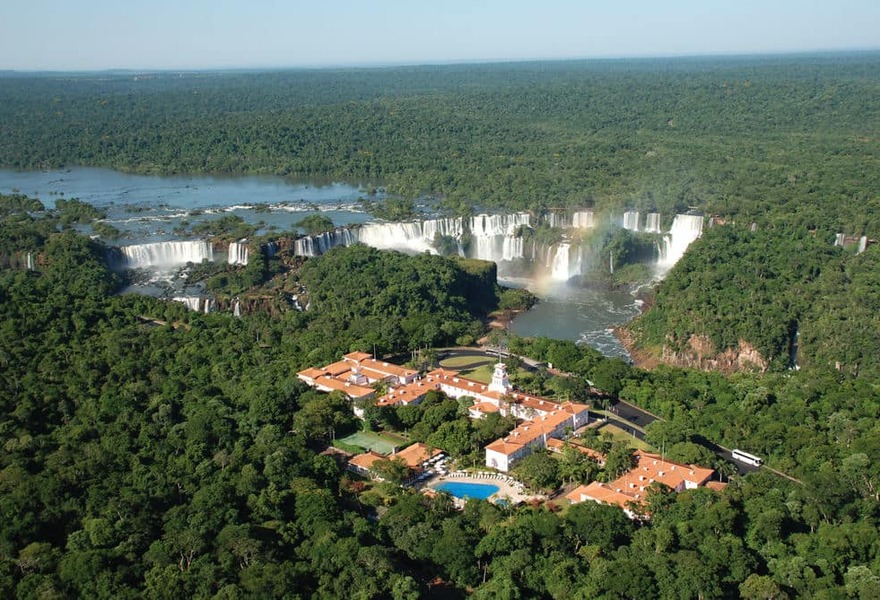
458,489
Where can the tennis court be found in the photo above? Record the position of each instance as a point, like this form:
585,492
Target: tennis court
371,441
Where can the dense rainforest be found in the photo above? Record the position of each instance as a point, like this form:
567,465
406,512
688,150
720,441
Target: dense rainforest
789,137
150,451
788,143
781,290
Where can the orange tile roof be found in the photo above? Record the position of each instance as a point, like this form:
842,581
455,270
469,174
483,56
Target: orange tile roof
406,394
311,373
716,485
338,368
556,445
365,461
652,467
350,389
388,368
485,407
365,361
632,485
504,447
416,454
606,493
529,431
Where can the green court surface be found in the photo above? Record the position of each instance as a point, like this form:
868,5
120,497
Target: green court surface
372,441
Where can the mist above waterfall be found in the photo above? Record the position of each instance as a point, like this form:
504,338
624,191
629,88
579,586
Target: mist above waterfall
556,247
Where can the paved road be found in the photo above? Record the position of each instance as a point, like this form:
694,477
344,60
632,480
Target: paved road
631,413
624,425
641,417
626,414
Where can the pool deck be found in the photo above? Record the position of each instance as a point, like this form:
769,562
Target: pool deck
508,488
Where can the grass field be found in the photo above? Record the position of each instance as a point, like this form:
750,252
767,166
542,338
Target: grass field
482,374
466,362
618,434
373,441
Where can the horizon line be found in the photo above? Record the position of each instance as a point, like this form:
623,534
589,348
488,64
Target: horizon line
448,62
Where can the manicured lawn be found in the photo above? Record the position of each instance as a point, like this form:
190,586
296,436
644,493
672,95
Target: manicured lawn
383,444
482,374
619,434
466,362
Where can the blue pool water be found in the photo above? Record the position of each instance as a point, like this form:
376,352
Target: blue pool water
480,491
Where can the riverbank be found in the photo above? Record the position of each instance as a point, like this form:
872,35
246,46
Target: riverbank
640,357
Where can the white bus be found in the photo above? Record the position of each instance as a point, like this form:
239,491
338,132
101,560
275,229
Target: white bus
747,458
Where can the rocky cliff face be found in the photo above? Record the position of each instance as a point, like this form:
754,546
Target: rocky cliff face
698,353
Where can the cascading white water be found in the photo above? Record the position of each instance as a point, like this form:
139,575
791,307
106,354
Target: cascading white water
162,254
631,220
559,269
192,302
493,225
583,219
685,229
238,253
840,240
493,236
236,308
414,236
29,262
316,245
452,227
557,220
512,248
652,223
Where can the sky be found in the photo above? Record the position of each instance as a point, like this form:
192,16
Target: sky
211,34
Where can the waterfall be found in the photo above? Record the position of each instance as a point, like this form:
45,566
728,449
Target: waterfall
494,238
512,248
652,223
583,219
863,244
559,268
493,225
29,262
192,302
316,245
271,249
161,254
236,308
557,220
631,220
685,229
793,343
839,240
238,253
414,236
611,262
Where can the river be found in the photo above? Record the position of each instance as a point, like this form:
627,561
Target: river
147,208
